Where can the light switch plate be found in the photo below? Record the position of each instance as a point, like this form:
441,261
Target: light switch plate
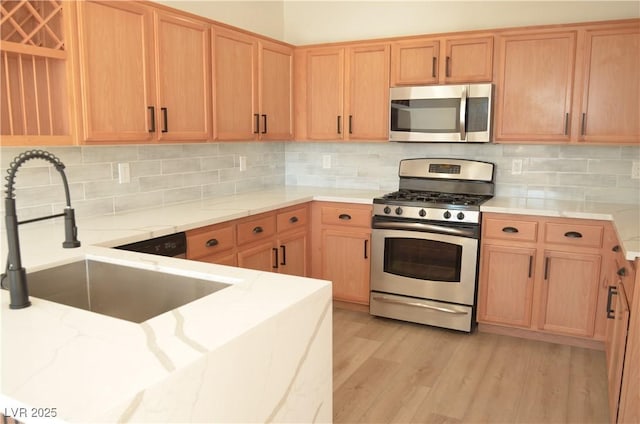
516,167
326,161
635,170
124,173
243,163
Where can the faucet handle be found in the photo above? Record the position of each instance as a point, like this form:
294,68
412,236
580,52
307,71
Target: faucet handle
70,229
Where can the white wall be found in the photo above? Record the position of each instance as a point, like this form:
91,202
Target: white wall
308,22
262,17
302,22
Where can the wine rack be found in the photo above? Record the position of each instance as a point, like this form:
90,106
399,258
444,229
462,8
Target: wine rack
33,72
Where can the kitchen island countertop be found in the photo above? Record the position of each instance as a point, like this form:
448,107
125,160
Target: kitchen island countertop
95,368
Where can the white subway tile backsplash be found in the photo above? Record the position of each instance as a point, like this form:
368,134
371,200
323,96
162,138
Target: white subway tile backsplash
180,166
97,154
171,173
83,173
136,201
555,171
160,174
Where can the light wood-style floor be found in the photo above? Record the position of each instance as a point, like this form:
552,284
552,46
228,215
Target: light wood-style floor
387,371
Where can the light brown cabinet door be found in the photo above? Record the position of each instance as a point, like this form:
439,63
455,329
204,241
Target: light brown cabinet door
367,111
448,61
414,62
260,257
235,91
117,73
615,358
569,293
325,86
506,285
345,262
468,60
535,75
292,254
610,109
276,91
183,50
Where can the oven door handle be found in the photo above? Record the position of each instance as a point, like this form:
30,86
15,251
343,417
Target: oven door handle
420,305
419,226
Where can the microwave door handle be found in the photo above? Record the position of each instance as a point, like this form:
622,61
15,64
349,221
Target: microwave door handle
463,114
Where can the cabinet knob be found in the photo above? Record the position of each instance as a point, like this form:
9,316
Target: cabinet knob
211,243
573,234
510,230
344,217
622,272
616,248
293,219
257,230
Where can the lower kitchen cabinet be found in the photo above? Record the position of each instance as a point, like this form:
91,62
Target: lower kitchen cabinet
569,293
258,256
341,243
629,407
345,261
293,251
275,241
543,275
623,341
507,285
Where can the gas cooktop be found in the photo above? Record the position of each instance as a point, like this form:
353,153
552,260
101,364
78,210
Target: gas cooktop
439,190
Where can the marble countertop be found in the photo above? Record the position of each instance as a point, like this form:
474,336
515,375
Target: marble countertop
106,362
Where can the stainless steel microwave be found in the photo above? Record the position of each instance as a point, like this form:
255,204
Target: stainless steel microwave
441,113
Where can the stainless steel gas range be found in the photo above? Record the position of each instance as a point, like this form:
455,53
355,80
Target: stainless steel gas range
425,242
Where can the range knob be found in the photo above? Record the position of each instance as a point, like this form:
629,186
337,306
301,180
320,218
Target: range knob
387,210
422,213
460,216
398,210
447,215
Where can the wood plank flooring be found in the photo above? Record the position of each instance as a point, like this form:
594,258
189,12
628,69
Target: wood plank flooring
387,371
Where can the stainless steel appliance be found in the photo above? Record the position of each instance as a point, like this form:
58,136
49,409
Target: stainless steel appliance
441,113
425,242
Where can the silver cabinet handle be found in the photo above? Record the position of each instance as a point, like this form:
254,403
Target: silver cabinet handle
420,305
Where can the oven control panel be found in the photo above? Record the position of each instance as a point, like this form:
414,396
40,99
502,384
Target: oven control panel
431,214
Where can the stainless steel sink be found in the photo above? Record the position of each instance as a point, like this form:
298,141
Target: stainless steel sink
118,291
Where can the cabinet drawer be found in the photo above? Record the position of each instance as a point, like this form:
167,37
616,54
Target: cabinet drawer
256,229
510,229
292,219
209,240
583,235
346,216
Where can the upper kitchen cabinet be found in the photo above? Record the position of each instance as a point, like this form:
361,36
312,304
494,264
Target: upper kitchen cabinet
609,106
442,60
116,71
253,87
343,92
144,74
182,52
535,82
579,85
34,67
275,75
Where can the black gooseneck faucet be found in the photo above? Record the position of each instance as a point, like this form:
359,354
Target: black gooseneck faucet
16,274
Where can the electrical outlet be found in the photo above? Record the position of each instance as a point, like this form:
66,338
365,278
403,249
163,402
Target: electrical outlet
326,161
635,170
124,173
516,167
243,163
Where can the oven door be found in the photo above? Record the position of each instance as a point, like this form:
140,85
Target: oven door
429,265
